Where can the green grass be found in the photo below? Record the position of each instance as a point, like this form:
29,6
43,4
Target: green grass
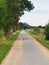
6,47
40,38
1,34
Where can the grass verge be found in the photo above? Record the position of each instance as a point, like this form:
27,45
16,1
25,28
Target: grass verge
4,49
40,38
1,34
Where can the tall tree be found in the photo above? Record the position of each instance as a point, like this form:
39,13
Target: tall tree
0,18
2,6
13,12
16,9
6,21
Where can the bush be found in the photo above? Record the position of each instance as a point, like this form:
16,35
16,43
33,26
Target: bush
47,32
36,30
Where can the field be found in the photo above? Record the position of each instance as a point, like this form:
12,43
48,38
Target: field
39,37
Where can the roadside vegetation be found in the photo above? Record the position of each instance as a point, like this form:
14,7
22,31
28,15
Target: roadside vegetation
41,35
4,49
10,13
1,34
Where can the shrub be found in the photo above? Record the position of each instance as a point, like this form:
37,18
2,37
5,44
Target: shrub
47,32
36,30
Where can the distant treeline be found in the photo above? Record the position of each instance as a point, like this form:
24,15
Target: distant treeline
27,26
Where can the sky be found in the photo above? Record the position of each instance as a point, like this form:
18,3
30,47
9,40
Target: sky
39,15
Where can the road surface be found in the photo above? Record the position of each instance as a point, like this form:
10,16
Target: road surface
27,52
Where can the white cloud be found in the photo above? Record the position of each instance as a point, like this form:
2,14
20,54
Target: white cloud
38,16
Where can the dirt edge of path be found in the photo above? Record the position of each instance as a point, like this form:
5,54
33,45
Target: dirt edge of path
43,49
14,55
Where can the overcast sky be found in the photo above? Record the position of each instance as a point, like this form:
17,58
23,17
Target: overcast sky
38,16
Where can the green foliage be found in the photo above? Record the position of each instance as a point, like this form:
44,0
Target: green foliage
26,5
47,32
22,25
6,47
41,38
0,18
2,11
1,34
16,9
36,30
10,13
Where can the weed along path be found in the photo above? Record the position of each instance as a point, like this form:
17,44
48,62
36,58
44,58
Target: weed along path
14,55
25,51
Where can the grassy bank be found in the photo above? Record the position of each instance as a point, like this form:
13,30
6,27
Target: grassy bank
6,47
40,38
1,34
1,37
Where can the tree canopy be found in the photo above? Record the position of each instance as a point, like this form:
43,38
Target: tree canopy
10,13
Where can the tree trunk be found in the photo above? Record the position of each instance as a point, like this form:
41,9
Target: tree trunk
14,28
7,35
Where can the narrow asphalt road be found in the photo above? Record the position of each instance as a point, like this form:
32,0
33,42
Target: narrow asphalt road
31,54
25,52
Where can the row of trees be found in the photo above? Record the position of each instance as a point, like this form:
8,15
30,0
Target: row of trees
11,12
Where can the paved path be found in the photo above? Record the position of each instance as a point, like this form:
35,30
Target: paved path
31,54
25,52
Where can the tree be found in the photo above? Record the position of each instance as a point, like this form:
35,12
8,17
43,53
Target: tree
36,30
16,9
47,32
0,18
6,26
26,5
2,6
4,21
10,13
20,25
